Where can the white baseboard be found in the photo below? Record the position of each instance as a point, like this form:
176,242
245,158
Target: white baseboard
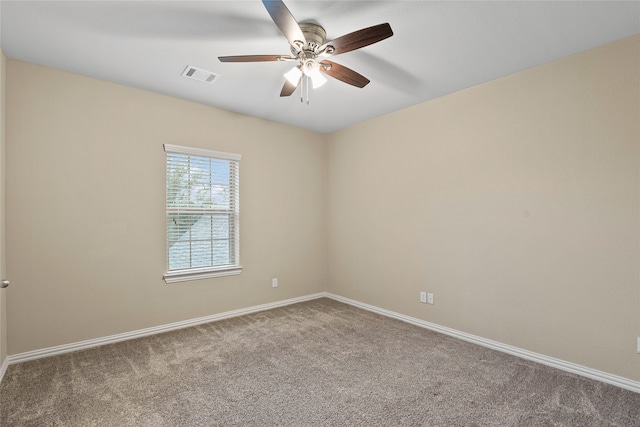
525,354
515,351
82,345
3,368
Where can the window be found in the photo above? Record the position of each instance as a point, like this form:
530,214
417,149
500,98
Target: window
202,214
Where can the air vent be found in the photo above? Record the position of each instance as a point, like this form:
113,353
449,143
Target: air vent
199,74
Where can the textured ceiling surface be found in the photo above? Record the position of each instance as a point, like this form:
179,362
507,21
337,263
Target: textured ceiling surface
437,48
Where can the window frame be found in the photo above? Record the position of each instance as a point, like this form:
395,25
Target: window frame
195,273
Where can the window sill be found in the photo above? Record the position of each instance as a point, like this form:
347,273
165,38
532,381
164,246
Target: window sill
205,273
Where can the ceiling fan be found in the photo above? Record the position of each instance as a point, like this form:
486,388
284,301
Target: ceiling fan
309,47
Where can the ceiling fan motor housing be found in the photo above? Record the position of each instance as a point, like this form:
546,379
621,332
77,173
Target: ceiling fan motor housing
315,35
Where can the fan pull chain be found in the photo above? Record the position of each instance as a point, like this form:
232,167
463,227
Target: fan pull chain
304,89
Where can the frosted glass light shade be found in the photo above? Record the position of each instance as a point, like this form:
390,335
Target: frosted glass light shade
317,79
293,75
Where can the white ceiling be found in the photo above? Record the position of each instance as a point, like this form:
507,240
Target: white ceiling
437,47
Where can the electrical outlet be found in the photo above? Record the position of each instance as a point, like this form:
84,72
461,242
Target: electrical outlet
423,297
429,298
274,282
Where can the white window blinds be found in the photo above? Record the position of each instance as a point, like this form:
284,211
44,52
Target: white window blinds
202,213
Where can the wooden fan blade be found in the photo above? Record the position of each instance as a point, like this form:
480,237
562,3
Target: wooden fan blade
254,58
285,21
289,88
344,74
360,38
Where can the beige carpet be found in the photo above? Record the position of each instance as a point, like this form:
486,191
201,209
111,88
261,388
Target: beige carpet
318,363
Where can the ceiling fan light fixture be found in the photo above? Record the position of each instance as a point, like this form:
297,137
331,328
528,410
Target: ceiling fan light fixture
311,68
293,75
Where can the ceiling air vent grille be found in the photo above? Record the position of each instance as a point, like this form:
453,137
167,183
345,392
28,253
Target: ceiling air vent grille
199,74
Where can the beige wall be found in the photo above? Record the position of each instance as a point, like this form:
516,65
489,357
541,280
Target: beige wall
515,202
85,208
3,299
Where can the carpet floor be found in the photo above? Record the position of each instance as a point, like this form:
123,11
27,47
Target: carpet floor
316,363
